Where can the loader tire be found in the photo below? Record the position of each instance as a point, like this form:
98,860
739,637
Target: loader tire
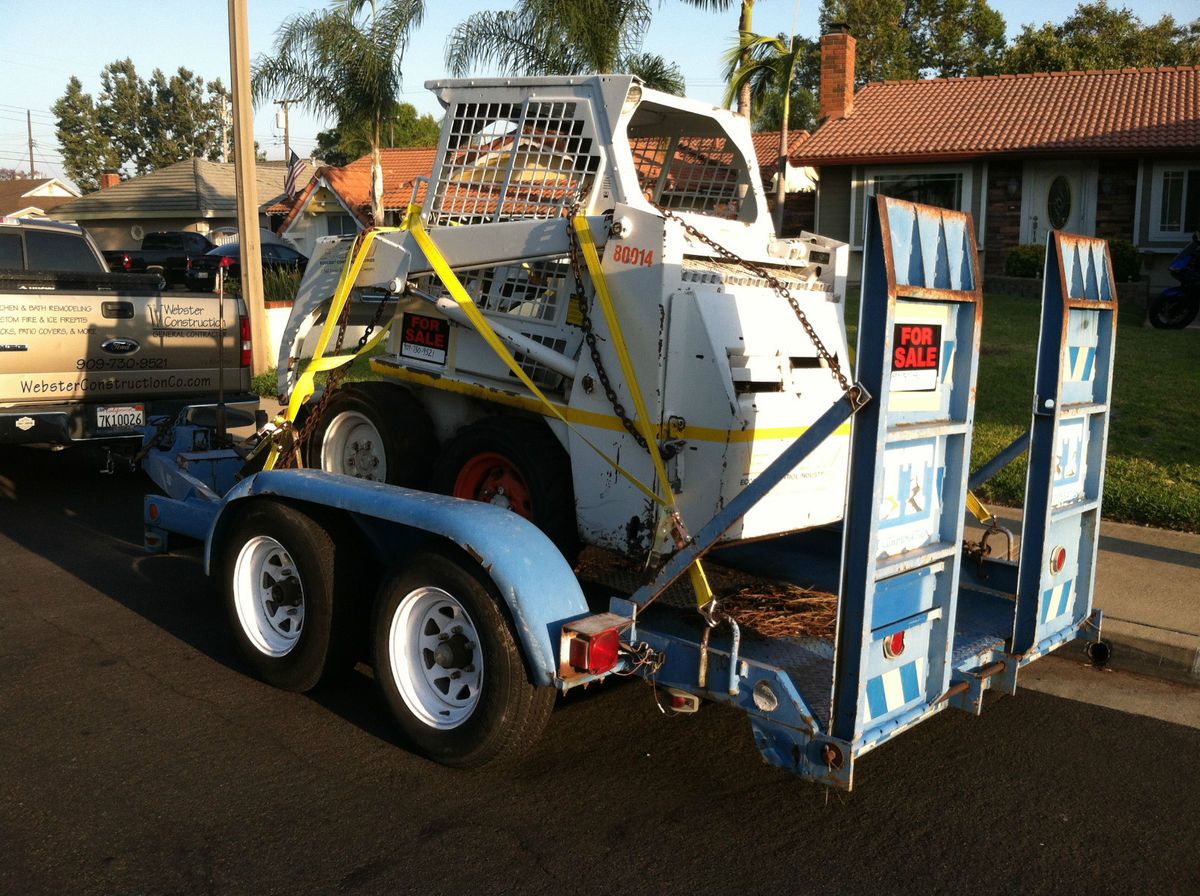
449,666
374,431
516,463
289,595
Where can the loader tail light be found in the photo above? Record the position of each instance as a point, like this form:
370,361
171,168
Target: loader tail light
247,344
596,653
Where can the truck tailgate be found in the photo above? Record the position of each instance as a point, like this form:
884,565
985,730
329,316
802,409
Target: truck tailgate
115,344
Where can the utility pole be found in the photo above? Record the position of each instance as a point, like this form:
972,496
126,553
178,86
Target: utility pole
224,129
247,189
29,125
287,144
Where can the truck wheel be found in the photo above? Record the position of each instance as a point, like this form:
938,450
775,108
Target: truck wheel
518,464
450,668
287,604
374,431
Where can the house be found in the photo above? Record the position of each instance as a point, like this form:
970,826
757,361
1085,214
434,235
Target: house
1114,154
337,201
34,197
195,195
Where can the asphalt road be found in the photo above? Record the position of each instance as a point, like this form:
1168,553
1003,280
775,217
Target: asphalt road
136,757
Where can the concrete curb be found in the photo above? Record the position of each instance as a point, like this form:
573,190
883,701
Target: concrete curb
1152,650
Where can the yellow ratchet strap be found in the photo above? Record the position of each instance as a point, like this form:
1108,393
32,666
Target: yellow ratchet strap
600,283
979,510
441,267
305,385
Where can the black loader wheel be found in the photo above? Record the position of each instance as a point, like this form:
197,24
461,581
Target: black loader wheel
290,594
449,666
374,431
516,463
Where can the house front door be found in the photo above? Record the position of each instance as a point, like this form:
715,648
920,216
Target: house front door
1057,196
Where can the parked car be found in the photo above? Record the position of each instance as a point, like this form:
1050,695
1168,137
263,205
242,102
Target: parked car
201,273
166,252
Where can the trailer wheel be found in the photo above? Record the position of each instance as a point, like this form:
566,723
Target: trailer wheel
518,464
287,604
374,431
449,667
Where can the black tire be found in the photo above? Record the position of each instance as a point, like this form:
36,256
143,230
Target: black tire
1172,312
397,436
491,712
307,566
531,451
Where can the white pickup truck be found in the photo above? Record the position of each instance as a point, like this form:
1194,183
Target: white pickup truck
86,354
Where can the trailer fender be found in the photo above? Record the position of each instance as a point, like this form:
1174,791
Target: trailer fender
534,579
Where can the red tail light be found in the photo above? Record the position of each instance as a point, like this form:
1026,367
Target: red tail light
126,261
187,266
247,353
228,261
593,644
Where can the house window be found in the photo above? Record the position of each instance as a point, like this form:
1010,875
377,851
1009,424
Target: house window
941,189
1175,202
340,225
945,186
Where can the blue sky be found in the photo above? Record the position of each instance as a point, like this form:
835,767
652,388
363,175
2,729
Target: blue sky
44,43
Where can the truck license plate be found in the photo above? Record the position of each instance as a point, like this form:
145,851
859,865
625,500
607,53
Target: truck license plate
120,416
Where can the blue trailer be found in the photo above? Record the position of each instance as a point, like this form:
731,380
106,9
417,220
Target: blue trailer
476,619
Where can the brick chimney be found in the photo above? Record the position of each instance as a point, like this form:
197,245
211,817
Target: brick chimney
109,179
837,72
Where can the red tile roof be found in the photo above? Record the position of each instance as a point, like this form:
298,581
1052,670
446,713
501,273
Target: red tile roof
766,146
401,167
1126,111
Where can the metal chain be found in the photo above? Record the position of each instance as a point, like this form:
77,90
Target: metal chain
291,451
589,334
834,367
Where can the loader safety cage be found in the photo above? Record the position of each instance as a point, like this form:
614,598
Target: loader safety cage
921,625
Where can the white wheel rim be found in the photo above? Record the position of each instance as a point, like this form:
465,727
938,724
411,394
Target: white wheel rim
353,446
268,596
435,659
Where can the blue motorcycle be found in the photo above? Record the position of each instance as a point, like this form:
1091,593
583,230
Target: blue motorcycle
1176,306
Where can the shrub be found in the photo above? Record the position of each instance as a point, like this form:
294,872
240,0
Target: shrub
1025,261
1126,260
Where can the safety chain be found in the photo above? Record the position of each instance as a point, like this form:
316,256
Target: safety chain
834,367
586,325
165,426
291,451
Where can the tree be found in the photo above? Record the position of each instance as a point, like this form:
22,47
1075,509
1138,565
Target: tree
345,66
402,127
15,174
771,70
1097,36
565,37
135,124
905,39
86,151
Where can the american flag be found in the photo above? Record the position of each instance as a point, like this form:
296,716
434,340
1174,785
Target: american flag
295,169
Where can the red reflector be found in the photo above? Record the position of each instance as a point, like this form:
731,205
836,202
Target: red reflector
247,345
1058,559
678,701
596,653
153,510
893,645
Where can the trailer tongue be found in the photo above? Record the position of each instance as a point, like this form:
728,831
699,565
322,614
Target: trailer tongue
725,394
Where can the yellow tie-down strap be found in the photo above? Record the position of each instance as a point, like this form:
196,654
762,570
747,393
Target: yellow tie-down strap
979,509
451,282
305,384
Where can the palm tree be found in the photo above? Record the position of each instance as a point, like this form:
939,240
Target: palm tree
772,67
344,66
566,37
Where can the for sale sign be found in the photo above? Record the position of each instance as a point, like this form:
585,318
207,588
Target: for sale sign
424,338
916,357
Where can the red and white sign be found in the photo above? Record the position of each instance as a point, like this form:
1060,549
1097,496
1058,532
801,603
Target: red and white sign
916,357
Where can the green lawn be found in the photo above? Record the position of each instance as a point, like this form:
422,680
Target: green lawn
1153,474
